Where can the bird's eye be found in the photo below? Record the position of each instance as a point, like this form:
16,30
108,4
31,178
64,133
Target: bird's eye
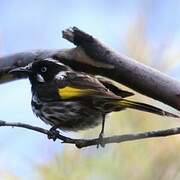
43,69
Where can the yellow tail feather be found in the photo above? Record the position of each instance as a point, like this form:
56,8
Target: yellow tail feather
145,107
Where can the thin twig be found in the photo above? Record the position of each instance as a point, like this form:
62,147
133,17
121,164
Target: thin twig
81,143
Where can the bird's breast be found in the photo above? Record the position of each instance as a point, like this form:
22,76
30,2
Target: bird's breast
68,115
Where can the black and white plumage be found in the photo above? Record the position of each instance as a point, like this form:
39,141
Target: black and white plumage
71,100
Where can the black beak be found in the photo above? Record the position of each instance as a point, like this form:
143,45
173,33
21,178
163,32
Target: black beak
21,71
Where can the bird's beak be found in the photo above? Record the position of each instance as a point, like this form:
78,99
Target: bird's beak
21,70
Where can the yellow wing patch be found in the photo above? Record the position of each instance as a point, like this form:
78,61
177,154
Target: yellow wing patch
71,92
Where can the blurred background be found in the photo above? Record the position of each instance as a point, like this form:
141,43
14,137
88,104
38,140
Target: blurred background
148,31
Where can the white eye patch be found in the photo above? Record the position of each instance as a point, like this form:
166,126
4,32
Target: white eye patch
61,75
40,78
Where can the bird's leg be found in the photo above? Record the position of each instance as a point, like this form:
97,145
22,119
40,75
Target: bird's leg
101,135
53,132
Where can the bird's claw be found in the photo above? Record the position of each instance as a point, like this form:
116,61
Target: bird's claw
101,141
52,134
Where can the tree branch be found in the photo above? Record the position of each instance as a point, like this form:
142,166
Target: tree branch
93,57
81,143
127,71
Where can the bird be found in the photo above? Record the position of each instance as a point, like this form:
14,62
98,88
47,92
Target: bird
70,100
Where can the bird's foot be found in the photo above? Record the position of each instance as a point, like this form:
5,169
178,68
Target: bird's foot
53,133
101,140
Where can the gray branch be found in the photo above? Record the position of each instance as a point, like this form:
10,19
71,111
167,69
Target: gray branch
93,57
81,143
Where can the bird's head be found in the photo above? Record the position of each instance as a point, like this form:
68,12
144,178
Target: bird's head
42,71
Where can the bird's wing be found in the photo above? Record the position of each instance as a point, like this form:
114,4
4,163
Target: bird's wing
116,90
79,85
76,85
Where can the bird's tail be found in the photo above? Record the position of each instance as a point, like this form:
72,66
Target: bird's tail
145,107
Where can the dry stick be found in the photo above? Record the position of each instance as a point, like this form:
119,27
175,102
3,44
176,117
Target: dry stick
81,143
127,71
93,57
